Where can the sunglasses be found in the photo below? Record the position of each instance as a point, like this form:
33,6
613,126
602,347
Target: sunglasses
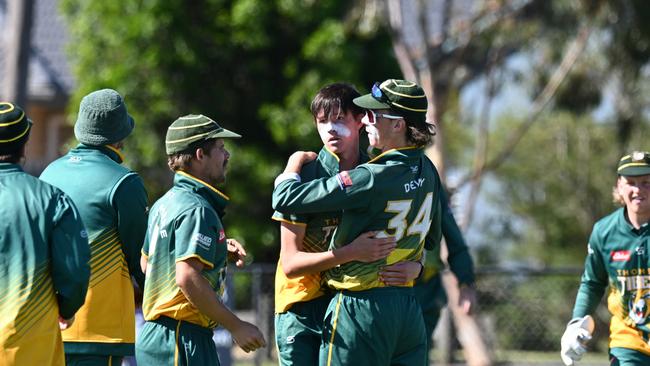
377,93
371,117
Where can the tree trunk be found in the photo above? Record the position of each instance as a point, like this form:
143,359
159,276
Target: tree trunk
17,50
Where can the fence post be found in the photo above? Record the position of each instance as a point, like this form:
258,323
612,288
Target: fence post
221,337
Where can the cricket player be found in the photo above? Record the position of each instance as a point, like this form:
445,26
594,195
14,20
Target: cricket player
185,253
299,297
112,201
395,193
44,263
618,260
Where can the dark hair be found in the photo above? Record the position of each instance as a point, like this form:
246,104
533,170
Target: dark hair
13,156
334,98
183,159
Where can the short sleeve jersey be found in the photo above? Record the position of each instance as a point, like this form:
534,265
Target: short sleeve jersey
319,228
618,258
184,223
396,193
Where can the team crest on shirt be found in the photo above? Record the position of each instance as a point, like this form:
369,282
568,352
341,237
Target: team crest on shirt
638,308
344,180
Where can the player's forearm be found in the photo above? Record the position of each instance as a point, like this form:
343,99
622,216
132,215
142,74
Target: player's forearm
199,293
302,263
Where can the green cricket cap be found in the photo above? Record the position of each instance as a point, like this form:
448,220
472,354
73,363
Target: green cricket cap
401,96
634,164
187,131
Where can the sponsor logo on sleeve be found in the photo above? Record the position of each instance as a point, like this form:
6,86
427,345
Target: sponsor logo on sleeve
344,180
222,235
203,241
620,255
590,250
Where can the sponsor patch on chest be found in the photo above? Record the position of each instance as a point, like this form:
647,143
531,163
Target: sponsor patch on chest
620,255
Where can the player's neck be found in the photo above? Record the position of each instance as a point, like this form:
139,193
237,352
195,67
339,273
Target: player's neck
395,142
349,159
637,220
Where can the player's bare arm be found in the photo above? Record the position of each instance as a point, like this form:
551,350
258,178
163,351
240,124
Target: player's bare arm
296,262
143,263
198,291
467,299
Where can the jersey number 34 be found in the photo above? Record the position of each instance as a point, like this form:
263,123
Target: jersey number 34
399,225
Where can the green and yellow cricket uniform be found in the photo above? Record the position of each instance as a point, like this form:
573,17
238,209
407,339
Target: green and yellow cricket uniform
112,202
300,302
43,267
428,288
395,193
184,223
618,259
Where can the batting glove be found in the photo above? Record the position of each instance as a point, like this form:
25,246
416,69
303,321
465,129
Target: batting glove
575,338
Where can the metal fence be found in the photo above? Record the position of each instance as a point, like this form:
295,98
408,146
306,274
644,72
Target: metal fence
521,315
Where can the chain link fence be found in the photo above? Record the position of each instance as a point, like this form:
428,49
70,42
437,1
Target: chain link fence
521,315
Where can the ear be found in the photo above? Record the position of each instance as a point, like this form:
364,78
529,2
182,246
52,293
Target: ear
399,124
199,154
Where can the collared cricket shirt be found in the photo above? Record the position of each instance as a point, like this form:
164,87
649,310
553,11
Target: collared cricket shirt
396,193
618,259
184,223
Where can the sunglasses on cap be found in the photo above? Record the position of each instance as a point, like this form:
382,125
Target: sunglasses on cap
377,93
371,117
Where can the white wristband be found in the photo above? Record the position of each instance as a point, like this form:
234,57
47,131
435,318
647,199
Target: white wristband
286,176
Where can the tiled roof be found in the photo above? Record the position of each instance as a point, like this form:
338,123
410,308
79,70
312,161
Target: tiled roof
49,77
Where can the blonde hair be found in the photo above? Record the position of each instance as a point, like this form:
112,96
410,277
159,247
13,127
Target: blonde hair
616,196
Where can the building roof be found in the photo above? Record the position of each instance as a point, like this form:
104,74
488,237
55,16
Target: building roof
50,78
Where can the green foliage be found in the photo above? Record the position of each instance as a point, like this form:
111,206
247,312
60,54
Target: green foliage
251,65
559,182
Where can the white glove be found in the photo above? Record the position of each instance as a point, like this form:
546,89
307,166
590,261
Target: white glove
575,338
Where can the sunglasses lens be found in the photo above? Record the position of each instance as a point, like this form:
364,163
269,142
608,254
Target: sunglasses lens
376,91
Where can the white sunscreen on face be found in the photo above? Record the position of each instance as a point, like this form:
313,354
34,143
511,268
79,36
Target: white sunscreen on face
339,127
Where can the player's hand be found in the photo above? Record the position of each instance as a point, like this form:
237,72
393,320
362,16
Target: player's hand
367,247
467,299
400,273
248,337
298,159
236,252
65,323
575,338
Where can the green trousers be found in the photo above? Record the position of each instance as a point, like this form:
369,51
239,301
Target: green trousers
627,357
170,342
380,326
299,331
92,360
432,298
